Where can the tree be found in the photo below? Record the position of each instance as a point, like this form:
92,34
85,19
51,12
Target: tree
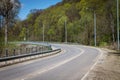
72,13
71,1
50,33
110,17
9,10
62,27
80,23
23,34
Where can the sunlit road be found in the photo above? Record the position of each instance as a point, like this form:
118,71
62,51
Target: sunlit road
71,64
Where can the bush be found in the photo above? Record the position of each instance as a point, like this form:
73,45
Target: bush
2,45
103,44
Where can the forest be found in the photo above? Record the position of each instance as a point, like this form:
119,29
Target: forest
75,16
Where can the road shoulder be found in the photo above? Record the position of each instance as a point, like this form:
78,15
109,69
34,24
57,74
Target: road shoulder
107,67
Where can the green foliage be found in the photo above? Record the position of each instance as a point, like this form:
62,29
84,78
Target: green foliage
23,34
102,44
79,20
50,34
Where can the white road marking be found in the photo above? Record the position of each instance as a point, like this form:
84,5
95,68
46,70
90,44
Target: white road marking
29,62
94,64
50,67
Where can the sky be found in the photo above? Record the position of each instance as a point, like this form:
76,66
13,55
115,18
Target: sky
27,5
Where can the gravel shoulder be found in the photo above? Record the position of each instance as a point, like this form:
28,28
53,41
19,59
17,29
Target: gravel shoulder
107,68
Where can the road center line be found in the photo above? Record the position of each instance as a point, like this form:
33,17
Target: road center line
50,67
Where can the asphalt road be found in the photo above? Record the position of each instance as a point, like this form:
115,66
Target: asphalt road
71,64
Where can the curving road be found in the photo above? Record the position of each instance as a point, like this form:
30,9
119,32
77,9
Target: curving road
71,64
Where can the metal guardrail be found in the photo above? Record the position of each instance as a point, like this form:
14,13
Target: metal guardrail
23,50
26,55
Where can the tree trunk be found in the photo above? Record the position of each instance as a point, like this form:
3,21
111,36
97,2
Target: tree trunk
112,27
6,31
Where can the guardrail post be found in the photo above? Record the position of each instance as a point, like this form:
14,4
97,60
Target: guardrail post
13,52
49,47
29,50
26,50
20,50
0,53
6,52
39,48
6,55
43,48
36,49
32,49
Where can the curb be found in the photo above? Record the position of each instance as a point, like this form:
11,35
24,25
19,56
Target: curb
24,59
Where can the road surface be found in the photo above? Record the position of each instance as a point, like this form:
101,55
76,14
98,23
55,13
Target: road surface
71,64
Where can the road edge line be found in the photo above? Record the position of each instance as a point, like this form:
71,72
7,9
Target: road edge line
101,54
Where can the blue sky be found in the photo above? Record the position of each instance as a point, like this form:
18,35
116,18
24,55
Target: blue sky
27,5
